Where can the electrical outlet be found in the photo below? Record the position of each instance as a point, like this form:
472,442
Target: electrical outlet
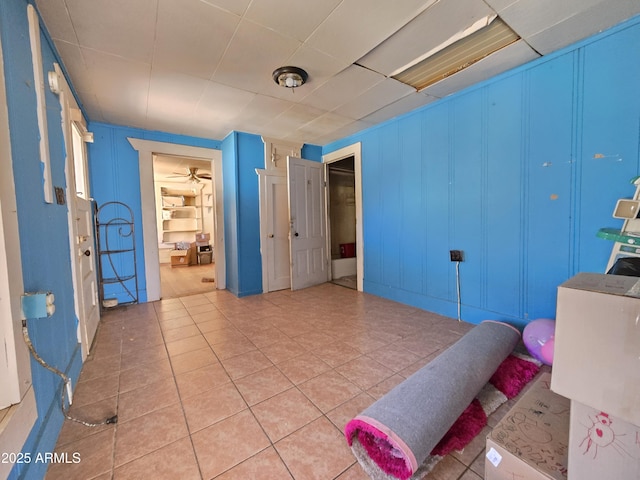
456,255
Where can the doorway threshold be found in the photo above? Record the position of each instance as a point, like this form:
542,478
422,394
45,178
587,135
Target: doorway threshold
350,281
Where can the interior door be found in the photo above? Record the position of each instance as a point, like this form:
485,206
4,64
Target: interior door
85,259
307,225
277,241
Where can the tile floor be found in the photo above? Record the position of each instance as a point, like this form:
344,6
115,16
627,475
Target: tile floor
211,386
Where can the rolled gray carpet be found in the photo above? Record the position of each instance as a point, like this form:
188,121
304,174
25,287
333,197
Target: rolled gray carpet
397,432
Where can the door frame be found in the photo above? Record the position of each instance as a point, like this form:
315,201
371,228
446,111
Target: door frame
355,151
146,149
71,114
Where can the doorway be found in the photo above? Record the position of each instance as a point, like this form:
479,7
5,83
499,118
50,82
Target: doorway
185,221
352,156
146,149
342,221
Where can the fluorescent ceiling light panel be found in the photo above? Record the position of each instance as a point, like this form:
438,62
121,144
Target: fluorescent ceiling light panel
467,48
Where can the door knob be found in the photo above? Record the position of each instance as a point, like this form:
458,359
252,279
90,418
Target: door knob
296,234
271,235
87,253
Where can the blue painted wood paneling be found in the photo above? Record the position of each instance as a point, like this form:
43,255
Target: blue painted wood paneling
411,227
519,172
502,217
551,98
467,202
436,164
610,129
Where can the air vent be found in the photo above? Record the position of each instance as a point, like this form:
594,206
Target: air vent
459,55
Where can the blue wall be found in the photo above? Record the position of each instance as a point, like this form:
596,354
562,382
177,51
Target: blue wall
115,176
519,172
43,231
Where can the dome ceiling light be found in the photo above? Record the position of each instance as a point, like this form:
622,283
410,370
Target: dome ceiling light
290,77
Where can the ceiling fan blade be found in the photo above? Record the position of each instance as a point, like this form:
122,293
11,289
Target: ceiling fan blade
204,176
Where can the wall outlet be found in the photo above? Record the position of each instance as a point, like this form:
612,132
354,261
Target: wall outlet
456,255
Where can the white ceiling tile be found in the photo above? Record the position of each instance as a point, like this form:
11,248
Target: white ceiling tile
509,57
120,60
192,36
174,95
399,107
262,110
294,118
357,26
254,53
325,123
239,7
221,103
381,94
294,19
426,33
117,79
75,66
342,88
582,25
56,17
119,27
530,17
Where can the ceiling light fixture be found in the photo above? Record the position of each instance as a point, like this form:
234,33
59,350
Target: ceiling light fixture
290,77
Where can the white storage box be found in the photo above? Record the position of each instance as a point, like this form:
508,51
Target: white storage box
597,344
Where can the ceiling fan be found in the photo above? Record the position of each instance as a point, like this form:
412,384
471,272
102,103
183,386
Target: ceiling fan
192,175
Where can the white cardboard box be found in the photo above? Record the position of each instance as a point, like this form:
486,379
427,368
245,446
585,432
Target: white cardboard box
531,441
602,446
597,344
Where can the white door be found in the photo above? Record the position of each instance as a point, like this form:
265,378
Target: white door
86,261
277,241
307,225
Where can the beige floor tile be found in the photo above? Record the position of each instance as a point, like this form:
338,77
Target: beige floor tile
303,367
193,360
96,389
285,413
329,390
148,433
92,413
200,380
174,461
317,451
86,458
262,385
283,350
228,443
336,353
207,408
339,416
354,472
146,399
364,372
181,333
144,374
266,465
245,364
186,345
211,385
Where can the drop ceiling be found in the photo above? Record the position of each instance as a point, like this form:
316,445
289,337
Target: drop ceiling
203,67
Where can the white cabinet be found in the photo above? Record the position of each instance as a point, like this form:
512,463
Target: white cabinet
181,214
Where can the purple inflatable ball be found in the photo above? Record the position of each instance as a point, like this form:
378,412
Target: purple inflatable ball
546,352
536,334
